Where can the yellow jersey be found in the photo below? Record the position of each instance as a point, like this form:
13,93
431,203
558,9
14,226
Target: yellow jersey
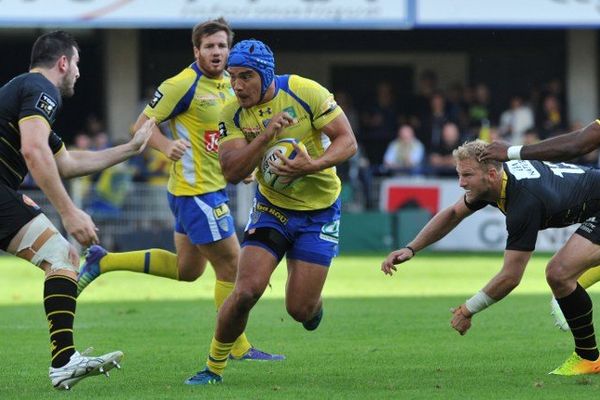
191,103
312,107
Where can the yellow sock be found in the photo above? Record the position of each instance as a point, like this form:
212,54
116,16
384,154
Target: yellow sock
222,291
217,357
154,262
589,277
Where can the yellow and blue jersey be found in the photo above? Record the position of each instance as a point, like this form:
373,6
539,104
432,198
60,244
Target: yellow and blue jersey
312,107
191,102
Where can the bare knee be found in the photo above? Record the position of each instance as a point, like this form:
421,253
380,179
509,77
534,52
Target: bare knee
301,312
245,298
189,273
557,274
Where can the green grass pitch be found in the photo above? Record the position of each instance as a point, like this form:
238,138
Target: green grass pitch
381,337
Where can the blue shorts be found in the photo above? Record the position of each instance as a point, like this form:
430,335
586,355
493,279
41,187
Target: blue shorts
313,235
204,218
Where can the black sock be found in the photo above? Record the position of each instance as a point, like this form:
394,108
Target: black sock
577,308
59,302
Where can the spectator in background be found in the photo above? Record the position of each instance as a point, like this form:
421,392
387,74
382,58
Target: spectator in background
426,86
432,124
380,122
551,120
404,155
516,120
479,109
531,136
441,160
457,106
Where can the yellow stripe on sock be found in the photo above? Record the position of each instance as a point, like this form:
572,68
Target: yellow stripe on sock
61,350
61,277
59,295
59,312
60,331
218,355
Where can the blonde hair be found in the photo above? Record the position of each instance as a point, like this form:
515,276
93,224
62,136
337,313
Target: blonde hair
472,150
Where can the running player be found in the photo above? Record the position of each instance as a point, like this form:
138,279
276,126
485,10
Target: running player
299,221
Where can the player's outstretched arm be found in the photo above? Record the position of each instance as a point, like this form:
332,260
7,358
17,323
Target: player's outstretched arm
439,226
559,148
84,162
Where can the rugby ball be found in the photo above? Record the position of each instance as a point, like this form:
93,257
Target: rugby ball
286,148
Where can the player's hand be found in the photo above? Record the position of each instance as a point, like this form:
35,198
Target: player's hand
461,319
177,149
80,225
388,266
495,151
142,135
277,124
301,165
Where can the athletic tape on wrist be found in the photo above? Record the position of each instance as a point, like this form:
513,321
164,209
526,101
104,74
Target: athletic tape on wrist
514,152
480,301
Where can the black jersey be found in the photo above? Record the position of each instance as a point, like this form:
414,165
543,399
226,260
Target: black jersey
26,95
540,195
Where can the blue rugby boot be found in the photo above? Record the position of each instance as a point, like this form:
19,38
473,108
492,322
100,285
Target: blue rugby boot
255,354
90,269
204,377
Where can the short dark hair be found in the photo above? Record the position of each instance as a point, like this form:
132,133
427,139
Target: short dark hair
49,47
211,27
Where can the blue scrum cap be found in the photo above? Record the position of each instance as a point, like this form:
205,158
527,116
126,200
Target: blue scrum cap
254,54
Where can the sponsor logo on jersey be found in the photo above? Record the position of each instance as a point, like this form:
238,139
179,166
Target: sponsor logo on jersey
157,96
47,105
222,130
211,140
265,111
291,111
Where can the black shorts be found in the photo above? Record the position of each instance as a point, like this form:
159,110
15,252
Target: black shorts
16,210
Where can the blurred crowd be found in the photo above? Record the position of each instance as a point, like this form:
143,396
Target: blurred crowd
416,137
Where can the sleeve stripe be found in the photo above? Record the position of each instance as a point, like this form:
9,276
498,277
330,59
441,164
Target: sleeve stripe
37,117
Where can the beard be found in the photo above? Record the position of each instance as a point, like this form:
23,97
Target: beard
67,86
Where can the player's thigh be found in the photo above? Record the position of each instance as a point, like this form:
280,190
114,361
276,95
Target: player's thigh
223,256
305,283
190,261
255,267
581,252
